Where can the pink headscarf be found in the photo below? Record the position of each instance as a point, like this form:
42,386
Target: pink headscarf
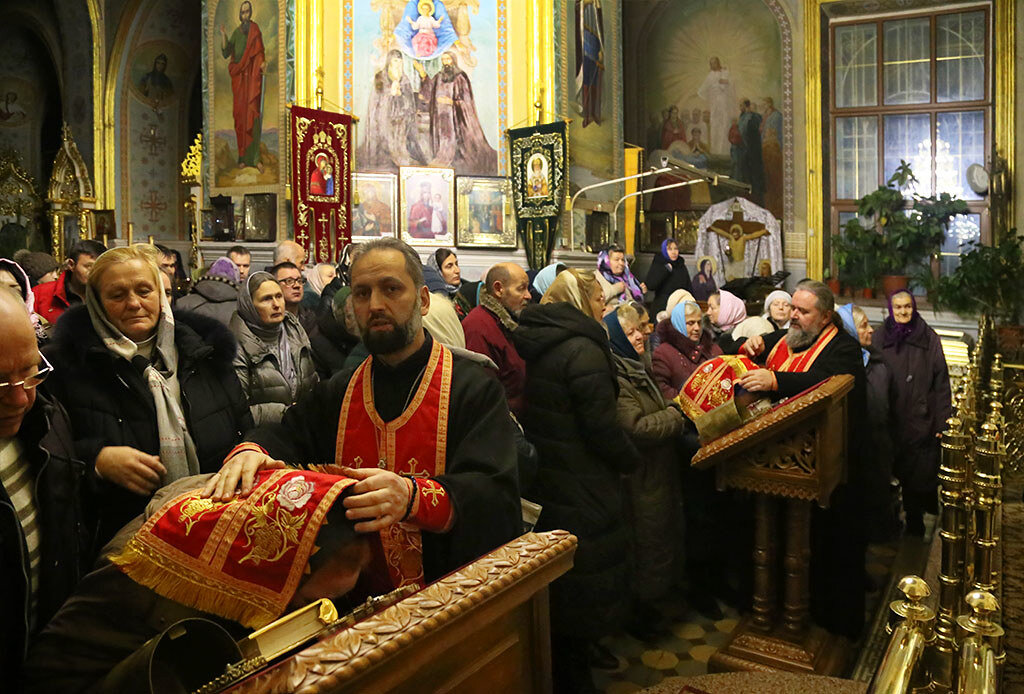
731,310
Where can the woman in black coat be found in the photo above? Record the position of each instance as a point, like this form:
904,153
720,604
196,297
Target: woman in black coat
125,369
914,354
570,417
668,273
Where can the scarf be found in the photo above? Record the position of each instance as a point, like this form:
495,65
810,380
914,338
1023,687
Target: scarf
632,286
617,337
674,299
566,288
177,450
678,316
545,276
731,310
846,313
442,322
506,319
434,263
897,333
771,299
314,280
269,334
27,295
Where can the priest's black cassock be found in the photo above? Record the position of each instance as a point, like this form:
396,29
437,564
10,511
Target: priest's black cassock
839,539
480,467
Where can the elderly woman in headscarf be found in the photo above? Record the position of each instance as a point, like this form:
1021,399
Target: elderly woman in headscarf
274,362
778,306
317,277
654,427
668,273
570,416
913,352
14,277
684,344
882,519
446,264
725,312
618,283
543,278
150,394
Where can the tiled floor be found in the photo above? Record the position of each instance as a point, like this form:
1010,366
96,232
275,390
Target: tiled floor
691,639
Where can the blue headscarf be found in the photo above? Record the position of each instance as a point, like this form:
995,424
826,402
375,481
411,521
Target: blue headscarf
846,313
545,276
617,337
678,317
664,249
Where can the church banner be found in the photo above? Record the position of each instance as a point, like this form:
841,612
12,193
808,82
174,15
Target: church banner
321,180
539,172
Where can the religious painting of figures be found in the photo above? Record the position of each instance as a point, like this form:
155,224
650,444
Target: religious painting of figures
374,206
714,95
260,215
427,79
158,71
484,212
427,195
590,88
17,101
244,46
104,225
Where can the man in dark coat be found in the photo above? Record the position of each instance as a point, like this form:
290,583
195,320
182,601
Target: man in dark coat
110,404
333,341
821,348
913,352
56,297
489,326
42,539
571,418
461,513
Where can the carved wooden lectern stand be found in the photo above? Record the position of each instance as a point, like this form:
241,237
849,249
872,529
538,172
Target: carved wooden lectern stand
796,453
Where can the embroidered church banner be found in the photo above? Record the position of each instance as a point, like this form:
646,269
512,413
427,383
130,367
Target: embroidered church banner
539,167
321,181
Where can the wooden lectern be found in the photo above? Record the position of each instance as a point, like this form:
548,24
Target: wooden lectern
797,453
483,628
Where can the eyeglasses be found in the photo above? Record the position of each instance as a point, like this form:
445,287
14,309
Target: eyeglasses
292,281
45,369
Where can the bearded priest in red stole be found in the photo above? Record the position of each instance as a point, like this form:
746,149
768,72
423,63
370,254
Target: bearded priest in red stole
427,434
814,348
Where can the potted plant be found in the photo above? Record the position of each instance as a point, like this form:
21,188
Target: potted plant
989,280
856,253
901,239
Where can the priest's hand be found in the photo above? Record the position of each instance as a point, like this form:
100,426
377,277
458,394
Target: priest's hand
379,499
239,468
759,381
138,472
753,346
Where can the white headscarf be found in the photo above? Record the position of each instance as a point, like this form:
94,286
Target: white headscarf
772,298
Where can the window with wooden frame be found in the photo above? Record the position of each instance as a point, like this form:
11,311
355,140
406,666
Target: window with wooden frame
917,87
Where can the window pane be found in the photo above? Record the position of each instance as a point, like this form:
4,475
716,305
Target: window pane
963,229
910,138
856,65
856,156
960,55
960,142
907,61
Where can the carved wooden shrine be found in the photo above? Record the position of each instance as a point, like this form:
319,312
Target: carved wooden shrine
797,454
483,628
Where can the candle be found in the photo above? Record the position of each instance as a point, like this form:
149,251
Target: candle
131,230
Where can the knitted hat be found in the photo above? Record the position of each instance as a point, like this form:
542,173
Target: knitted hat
35,263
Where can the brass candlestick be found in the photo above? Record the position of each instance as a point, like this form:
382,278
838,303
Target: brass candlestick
987,485
130,232
981,655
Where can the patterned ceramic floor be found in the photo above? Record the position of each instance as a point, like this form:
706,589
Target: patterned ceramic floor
691,639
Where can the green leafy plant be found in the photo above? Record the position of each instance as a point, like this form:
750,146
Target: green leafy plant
897,240
989,280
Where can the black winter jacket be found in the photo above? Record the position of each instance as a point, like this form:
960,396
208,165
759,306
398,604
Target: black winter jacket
46,438
665,277
109,403
331,344
570,417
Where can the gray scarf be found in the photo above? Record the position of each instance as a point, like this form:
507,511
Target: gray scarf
177,450
274,336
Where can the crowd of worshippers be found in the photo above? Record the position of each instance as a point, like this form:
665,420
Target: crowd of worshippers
411,411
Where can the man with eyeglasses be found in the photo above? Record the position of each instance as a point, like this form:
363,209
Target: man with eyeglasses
292,283
42,540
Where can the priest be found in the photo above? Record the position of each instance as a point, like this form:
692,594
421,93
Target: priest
427,434
813,349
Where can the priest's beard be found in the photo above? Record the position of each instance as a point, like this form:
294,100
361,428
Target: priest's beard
797,338
379,343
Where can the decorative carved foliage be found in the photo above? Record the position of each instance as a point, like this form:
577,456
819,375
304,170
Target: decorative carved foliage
18,196
792,454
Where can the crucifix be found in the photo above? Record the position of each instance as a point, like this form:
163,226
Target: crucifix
323,225
737,232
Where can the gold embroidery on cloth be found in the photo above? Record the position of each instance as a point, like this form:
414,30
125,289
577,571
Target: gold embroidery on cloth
271,536
195,508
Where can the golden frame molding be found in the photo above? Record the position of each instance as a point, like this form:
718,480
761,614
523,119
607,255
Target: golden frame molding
1004,18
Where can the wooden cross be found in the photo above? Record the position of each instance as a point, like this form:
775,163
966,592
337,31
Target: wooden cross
737,232
153,138
154,206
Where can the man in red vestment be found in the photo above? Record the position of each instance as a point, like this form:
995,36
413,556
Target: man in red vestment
247,65
427,434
